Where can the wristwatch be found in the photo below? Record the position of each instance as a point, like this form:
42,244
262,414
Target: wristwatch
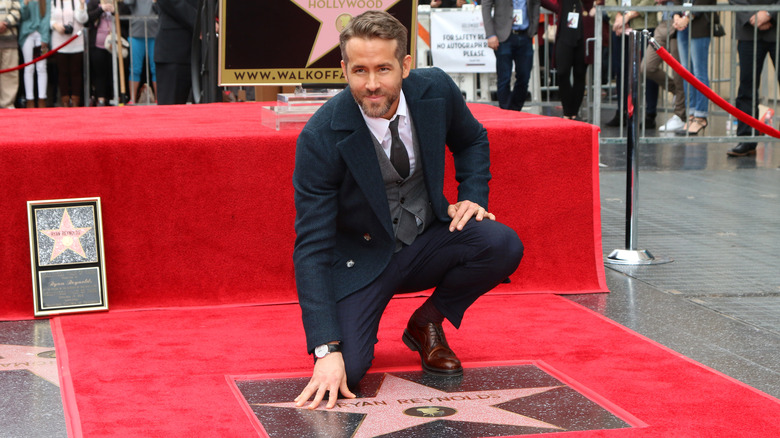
325,349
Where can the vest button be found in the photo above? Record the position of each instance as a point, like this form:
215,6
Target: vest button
350,263
399,182
395,221
403,200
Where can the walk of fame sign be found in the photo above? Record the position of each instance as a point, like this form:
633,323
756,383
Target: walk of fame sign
290,42
491,401
66,251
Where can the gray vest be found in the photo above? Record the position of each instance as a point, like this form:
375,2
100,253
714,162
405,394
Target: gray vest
407,198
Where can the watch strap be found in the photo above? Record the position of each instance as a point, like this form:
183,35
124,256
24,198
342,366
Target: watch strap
332,348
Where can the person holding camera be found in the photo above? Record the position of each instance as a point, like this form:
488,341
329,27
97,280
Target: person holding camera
67,19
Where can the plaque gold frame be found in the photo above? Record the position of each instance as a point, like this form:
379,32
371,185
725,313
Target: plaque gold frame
66,254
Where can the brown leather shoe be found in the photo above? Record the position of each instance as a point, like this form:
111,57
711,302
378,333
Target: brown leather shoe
429,341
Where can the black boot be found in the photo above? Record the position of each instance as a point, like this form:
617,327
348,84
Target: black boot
615,122
650,121
742,149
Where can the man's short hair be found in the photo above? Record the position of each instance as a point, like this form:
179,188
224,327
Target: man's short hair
375,24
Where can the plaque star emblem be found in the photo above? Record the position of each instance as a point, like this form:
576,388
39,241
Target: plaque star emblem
400,404
333,15
38,360
66,237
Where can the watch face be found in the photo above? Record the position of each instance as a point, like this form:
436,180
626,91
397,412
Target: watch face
321,351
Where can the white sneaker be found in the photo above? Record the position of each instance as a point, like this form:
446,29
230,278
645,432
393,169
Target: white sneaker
673,124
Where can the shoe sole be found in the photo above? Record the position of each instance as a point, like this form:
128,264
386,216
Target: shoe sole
412,344
738,154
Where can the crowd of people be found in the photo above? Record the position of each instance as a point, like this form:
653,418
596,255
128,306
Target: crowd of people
30,28
510,26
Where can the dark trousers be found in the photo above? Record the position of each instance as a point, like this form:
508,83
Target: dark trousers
651,87
571,66
102,72
461,265
174,83
747,99
518,49
70,68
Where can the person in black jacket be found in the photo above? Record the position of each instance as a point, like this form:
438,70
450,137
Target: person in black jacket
764,23
172,50
570,43
372,220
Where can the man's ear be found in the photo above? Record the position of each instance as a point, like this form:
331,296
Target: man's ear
344,68
407,66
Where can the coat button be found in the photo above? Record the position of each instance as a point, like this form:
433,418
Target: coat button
367,237
350,263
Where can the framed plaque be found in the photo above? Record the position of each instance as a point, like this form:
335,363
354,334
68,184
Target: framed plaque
66,250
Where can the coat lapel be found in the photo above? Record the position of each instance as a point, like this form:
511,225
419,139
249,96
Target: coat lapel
357,151
429,118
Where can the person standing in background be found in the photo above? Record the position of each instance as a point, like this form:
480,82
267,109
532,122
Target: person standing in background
9,51
693,37
570,44
101,21
510,27
621,24
652,65
67,19
34,39
764,24
143,30
172,50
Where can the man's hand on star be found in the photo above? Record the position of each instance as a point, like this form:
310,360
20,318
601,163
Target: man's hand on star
330,377
463,211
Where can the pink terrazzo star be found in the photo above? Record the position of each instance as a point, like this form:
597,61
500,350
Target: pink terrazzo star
400,404
22,357
66,237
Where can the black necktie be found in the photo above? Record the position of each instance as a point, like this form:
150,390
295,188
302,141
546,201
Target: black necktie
398,155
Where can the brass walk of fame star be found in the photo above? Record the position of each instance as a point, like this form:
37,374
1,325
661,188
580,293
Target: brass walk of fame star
333,15
67,237
386,413
38,360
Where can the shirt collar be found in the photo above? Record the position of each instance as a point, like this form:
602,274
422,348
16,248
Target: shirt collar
379,126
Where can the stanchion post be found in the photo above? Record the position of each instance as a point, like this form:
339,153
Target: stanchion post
631,255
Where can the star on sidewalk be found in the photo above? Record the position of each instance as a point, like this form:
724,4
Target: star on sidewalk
38,360
333,15
400,404
67,237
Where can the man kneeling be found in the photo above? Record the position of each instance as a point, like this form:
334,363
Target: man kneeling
372,220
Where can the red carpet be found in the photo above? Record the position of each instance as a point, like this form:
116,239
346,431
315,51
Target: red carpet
198,204
163,373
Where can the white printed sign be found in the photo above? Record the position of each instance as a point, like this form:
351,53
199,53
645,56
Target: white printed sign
458,42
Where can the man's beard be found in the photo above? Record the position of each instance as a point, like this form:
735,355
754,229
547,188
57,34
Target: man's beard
376,110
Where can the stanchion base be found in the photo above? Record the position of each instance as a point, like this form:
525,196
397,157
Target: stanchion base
631,257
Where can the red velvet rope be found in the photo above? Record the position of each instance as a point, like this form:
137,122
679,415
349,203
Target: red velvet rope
739,114
42,57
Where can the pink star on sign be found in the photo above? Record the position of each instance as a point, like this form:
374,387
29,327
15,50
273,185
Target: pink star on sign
66,237
333,15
